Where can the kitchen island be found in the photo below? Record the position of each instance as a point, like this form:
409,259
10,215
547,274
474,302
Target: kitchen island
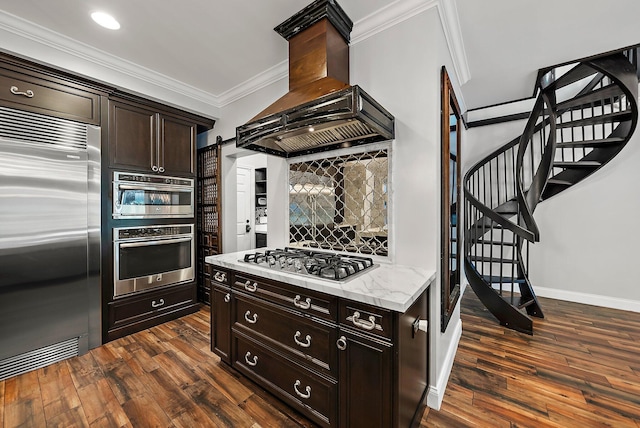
346,353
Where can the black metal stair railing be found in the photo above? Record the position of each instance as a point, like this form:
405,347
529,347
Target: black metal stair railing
579,122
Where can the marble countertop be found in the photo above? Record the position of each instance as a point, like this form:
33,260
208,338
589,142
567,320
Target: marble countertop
388,286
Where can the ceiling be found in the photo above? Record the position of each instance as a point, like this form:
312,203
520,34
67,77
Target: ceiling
214,46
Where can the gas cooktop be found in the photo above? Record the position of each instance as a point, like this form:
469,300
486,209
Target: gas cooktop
326,265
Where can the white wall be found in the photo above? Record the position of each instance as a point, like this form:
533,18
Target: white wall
587,249
231,116
588,237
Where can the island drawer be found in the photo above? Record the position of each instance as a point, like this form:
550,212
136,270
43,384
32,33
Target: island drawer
366,318
219,277
307,302
310,393
310,342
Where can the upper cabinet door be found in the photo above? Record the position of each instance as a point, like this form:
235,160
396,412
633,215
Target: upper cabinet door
132,137
145,140
177,146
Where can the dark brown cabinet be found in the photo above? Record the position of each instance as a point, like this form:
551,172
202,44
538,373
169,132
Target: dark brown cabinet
135,313
146,140
208,216
221,314
337,361
366,387
43,92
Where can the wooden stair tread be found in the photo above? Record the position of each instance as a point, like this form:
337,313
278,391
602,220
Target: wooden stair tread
559,182
578,164
577,73
601,94
485,259
493,242
618,116
487,224
589,143
502,280
509,208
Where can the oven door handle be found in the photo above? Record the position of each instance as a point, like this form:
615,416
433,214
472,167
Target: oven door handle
154,242
158,187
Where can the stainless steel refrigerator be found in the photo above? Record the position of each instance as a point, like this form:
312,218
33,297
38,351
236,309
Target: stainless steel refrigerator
49,240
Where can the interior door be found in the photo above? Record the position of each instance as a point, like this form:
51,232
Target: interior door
244,228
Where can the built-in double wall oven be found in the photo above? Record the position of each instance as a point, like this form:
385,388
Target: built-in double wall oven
138,196
152,255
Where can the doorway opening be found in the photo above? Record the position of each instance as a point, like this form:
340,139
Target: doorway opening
251,211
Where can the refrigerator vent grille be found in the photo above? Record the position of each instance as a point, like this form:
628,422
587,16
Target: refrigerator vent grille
41,129
38,358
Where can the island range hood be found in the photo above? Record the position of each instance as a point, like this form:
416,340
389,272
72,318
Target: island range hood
321,111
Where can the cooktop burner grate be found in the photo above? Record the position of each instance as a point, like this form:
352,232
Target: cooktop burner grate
332,266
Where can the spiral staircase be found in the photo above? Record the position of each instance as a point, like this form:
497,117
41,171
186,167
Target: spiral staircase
583,116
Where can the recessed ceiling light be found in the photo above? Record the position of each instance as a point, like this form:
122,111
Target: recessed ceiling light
106,20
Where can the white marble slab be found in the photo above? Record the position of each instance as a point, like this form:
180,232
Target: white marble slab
387,286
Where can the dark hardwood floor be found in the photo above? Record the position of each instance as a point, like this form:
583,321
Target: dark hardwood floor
580,369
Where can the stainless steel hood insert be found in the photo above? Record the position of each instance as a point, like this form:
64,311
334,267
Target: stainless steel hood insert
321,111
341,119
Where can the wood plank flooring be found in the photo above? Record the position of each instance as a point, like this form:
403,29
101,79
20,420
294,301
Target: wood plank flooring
580,369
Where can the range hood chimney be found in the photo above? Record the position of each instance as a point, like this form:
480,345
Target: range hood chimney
321,111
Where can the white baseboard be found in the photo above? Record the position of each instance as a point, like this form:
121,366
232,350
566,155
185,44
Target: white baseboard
588,299
436,393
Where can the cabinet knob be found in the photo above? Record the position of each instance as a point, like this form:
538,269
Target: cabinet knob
253,362
227,298
302,305
251,287
28,93
342,343
306,343
307,390
251,319
367,325
154,168
161,169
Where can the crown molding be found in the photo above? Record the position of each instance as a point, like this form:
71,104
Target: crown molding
257,82
453,34
385,18
58,42
390,15
376,22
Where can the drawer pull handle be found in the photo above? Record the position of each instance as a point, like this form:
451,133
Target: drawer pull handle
307,390
367,325
296,338
155,304
251,287
252,362
220,276
227,298
15,91
251,320
302,305
341,343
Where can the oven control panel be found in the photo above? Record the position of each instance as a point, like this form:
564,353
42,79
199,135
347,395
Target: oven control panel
124,233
